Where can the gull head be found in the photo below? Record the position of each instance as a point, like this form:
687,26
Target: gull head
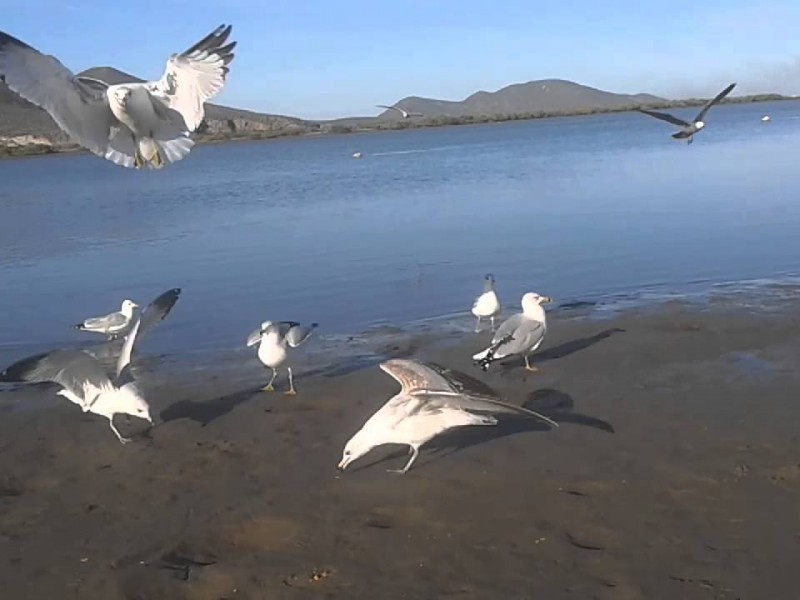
121,95
129,305
356,447
256,336
131,403
489,278
532,302
699,125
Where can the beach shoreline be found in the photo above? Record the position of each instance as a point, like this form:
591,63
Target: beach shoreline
673,474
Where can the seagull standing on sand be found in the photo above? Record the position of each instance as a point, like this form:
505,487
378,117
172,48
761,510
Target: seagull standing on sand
689,129
130,124
403,113
272,339
431,401
487,304
519,334
84,379
111,324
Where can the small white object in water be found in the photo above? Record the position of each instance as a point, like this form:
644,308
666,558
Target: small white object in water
112,323
519,334
487,304
357,154
272,339
766,118
431,401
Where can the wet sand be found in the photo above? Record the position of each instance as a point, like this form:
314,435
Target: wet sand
675,474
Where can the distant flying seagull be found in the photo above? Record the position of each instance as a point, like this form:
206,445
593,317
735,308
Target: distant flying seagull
130,124
487,304
111,324
84,379
689,129
272,339
431,401
519,334
404,113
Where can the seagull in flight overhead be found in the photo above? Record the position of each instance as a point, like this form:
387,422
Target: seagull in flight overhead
131,124
85,381
404,113
688,130
431,401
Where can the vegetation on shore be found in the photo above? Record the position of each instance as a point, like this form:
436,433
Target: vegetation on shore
345,126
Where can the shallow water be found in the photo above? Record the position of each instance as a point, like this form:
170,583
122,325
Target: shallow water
576,208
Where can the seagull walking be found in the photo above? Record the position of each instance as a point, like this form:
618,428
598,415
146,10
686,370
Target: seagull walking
272,339
131,124
487,304
403,113
521,333
431,401
688,129
111,324
85,381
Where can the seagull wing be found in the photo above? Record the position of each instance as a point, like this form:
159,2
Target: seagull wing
297,334
111,320
78,109
713,101
390,108
74,370
194,76
414,377
665,117
437,403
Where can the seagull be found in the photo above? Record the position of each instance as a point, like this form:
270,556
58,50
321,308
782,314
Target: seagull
272,339
766,119
85,381
487,304
111,324
130,124
404,113
521,333
431,401
689,129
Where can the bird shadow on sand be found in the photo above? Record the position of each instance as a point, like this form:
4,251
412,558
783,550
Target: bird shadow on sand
206,411
554,404
562,350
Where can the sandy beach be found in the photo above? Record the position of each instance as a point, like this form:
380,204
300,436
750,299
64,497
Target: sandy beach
674,474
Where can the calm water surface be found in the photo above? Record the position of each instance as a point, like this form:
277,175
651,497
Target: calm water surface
576,208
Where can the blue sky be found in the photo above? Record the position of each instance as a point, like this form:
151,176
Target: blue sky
332,58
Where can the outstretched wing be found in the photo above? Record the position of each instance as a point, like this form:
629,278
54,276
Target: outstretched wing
194,76
74,370
479,404
714,101
415,377
297,334
665,117
78,109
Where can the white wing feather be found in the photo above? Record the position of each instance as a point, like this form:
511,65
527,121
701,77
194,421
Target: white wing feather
194,76
79,110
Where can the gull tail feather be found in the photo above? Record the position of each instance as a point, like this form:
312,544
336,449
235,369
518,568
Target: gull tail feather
488,356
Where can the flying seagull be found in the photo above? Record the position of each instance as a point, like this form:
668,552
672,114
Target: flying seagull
521,333
272,339
431,401
130,124
85,381
487,304
404,113
688,130
111,324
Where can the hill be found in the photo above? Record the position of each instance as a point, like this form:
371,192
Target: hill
541,96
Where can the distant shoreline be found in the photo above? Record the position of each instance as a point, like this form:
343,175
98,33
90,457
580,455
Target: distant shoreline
342,127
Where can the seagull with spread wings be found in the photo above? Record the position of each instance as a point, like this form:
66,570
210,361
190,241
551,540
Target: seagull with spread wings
688,129
403,113
85,381
131,124
272,339
431,400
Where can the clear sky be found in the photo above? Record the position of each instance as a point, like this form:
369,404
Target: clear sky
332,58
